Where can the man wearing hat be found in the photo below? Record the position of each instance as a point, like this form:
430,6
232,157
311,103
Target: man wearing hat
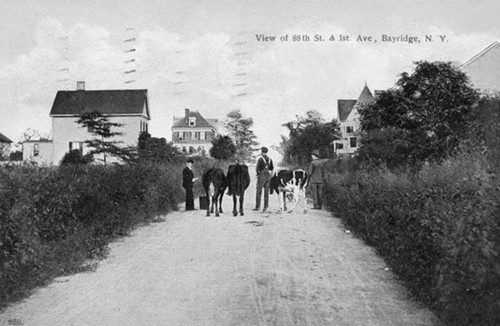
188,180
264,170
315,172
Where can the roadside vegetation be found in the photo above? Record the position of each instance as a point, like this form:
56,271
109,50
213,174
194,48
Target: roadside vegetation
424,189
52,220
58,220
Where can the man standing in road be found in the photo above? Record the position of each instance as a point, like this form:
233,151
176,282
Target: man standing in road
315,172
264,170
188,180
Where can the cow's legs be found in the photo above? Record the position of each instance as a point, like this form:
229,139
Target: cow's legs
216,203
303,196
208,203
241,204
284,201
235,212
220,202
296,198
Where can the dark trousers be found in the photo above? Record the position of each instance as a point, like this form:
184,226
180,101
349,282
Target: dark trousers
189,198
317,194
263,181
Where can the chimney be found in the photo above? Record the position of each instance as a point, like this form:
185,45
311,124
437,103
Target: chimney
187,112
80,85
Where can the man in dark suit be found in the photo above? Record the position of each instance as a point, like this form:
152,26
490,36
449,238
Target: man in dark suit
315,171
264,170
188,180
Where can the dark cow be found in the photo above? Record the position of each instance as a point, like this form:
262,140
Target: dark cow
238,180
292,182
214,183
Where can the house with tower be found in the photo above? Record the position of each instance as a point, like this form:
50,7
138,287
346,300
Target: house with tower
348,117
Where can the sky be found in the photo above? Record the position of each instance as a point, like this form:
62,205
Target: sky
209,55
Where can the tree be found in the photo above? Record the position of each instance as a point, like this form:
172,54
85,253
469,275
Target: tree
100,127
239,128
157,149
428,110
308,133
222,148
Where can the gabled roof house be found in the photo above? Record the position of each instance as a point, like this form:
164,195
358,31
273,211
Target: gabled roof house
128,107
348,117
193,133
483,69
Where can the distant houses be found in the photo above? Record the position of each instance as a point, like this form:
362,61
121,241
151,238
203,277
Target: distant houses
348,117
193,133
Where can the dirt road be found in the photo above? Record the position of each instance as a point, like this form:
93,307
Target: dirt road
257,269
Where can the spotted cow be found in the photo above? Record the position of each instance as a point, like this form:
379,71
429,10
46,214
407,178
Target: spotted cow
290,182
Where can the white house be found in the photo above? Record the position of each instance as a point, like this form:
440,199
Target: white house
348,117
38,151
127,107
193,133
483,69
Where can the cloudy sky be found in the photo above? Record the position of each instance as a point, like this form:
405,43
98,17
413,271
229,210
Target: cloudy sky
205,54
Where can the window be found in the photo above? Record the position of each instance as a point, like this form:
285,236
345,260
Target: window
353,142
76,145
208,135
36,149
349,129
339,146
197,135
192,121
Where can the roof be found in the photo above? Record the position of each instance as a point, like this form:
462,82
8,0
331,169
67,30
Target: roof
128,102
344,108
366,96
480,54
201,122
41,140
4,139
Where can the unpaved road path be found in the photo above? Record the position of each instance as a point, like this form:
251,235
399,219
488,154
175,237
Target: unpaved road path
280,269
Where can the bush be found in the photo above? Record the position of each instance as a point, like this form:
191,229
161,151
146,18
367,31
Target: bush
438,229
51,219
76,157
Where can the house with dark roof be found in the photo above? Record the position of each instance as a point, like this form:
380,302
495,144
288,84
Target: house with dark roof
193,133
348,117
127,107
483,69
